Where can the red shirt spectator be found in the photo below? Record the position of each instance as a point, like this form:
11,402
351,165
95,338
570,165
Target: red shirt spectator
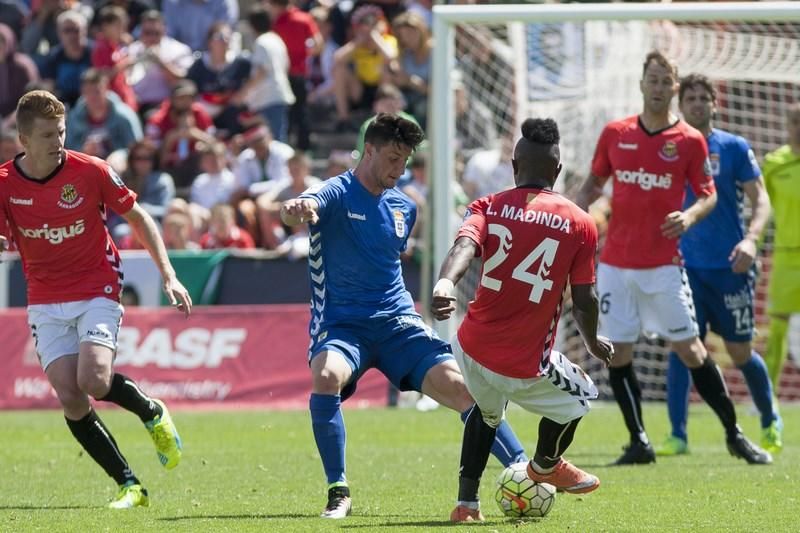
223,231
299,31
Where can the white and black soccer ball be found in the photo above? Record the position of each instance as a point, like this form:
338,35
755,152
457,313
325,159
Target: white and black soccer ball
519,496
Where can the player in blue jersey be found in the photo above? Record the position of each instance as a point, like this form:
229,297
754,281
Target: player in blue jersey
719,255
362,316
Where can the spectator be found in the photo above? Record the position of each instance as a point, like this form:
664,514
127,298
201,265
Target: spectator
423,8
67,61
263,162
223,231
220,78
411,70
14,14
134,9
16,71
489,171
109,54
100,123
158,62
191,21
273,233
177,229
358,65
320,74
475,129
9,145
41,35
216,184
176,128
268,91
154,188
338,162
388,99
129,297
299,31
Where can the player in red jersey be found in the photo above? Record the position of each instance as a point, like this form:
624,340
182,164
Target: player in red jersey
52,204
532,241
652,158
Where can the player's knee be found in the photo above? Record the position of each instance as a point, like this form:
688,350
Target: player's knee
492,419
71,398
96,383
325,381
691,351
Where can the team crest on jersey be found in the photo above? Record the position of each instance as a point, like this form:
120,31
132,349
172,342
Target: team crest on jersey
69,197
399,224
713,160
669,152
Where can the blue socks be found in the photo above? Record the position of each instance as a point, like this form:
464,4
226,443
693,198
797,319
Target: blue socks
506,447
679,381
329,433
757,378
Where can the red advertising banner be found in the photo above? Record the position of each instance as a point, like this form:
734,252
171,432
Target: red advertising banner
220,356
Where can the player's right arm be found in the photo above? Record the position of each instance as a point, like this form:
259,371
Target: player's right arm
592,188
299,211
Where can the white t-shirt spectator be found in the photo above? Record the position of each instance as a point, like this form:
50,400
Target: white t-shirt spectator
211,189
270,54
256,177
487,174
149,82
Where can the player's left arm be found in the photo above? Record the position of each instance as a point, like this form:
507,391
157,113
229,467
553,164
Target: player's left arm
744,253
699,178
146,231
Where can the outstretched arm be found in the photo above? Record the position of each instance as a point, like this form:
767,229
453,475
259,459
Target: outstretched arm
299,210
453,268
585,312
147,233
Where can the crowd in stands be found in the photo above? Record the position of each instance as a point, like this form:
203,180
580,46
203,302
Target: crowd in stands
210,109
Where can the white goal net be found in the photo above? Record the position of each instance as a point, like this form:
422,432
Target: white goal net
581,65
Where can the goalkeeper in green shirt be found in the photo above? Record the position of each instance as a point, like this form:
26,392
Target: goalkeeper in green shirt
781,171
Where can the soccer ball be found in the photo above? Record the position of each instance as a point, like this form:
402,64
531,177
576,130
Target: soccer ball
519,496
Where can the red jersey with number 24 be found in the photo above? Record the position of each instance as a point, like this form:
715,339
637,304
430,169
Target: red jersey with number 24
651,171
531,241
58,226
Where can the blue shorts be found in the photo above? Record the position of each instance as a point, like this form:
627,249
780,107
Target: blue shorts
403,348
723,301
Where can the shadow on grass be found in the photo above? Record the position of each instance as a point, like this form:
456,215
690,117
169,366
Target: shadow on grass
44,507
258,516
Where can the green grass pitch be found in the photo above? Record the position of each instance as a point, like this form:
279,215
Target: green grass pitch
259,471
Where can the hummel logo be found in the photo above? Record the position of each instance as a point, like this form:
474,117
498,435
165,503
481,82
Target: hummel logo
628,146
21,201
677,330
356,216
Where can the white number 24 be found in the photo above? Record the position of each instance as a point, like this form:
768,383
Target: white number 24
546,251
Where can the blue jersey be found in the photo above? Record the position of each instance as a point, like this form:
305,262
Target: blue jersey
355,247
709,243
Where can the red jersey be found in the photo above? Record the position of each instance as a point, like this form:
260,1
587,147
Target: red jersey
237,238
651,172
296,28
58,225
531,241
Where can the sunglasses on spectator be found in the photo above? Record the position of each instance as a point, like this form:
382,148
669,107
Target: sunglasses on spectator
70,29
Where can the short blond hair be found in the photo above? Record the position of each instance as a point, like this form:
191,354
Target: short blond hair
37,104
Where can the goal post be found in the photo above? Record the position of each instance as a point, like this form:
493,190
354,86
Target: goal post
499,55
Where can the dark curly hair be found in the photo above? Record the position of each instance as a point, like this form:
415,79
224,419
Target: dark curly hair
541,130
390,128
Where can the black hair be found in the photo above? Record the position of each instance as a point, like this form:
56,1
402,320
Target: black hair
541,130
693,80
390,128
259,19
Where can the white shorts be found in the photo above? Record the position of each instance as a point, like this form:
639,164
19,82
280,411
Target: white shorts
654,301
561,395
58,329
